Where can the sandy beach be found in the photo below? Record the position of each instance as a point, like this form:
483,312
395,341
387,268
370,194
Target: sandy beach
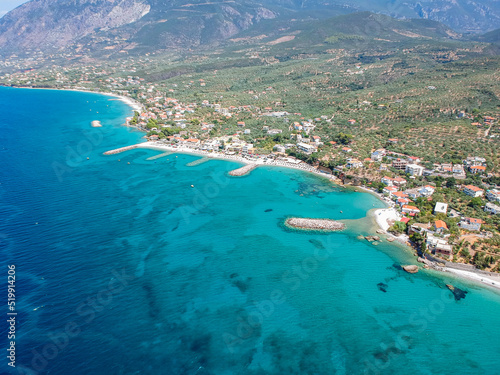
136,106
216,155
386,217
489,280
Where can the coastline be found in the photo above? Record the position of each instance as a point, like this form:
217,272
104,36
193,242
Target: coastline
491,280
381,216
214,155
133,104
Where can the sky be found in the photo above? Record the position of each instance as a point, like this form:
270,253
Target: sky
7,5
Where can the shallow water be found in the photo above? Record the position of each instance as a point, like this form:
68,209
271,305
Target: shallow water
138,273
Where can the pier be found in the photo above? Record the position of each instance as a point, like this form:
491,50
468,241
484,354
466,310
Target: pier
243,170
315,224
119,150
197,162
159,156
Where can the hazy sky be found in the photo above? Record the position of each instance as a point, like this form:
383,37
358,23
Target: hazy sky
6,5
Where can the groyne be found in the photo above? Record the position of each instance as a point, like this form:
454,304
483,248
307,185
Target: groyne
243,170
315,224
122,149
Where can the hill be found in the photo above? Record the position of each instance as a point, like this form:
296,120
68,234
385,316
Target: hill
100,26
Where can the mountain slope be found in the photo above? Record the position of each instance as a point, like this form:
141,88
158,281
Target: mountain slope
121,25
50,24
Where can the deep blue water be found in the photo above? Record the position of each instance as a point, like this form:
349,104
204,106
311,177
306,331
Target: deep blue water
123,268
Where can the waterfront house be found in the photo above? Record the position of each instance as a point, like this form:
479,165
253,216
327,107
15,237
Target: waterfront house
411,210
390,190
400,194
473,191
419,228
438,245
387,181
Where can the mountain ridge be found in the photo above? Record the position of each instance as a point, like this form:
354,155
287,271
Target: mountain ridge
89,26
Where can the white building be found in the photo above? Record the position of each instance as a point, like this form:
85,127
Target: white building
354,163
440,208
427,190
414,170
473,191
492,208
247,148
378,155
304,147
493,195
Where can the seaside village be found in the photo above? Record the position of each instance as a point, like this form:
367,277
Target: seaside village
449,210
446,210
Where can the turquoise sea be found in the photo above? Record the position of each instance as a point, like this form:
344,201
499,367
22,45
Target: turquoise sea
123,268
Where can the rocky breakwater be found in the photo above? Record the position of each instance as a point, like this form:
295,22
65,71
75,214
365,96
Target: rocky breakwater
243,170
315,224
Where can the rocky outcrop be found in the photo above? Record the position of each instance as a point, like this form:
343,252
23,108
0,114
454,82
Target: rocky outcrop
411,268
53,25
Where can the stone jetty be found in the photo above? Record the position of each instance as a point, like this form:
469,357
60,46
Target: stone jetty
315,224
122,149
243,170
96,124
197,162
159,156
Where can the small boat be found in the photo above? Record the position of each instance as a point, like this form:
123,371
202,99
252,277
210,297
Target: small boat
39,307
341,212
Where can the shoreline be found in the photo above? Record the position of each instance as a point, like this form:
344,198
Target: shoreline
380,215
236,158
132,103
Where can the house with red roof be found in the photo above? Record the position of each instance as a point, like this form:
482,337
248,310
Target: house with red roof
473,191
410,210
390,190
471,224
440,226
475,169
